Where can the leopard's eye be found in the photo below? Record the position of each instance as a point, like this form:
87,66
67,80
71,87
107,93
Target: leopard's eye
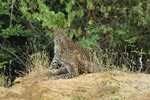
58,40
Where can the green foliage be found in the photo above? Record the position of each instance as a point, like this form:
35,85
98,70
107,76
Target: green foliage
115,89
3,80
49,18
2,64
90,39
17,36
107,82
16,30
4,8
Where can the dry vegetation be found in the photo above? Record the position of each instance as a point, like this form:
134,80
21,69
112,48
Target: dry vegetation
110,85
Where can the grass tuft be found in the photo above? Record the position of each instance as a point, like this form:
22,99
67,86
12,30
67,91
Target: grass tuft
38,62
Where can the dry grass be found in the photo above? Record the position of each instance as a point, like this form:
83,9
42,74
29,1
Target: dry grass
114,85
38,62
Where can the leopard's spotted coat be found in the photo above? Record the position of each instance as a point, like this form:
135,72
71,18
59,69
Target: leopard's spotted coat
70,59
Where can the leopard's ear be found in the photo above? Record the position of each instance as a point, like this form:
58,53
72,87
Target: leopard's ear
55,29
65,30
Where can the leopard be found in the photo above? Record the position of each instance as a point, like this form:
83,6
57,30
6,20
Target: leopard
70,59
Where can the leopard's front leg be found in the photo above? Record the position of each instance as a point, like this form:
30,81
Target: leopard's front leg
61,70
72,71
55,63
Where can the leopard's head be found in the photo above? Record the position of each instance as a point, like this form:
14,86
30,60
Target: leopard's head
59,35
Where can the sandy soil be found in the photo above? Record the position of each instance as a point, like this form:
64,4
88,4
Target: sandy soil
110,85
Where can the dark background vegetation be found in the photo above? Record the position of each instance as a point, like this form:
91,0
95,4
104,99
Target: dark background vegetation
119,31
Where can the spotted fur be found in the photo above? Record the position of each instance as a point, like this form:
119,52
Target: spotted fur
70,59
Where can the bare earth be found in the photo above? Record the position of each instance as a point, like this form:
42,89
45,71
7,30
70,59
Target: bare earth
110,85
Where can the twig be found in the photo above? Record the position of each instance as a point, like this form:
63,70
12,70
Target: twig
11,13
13,54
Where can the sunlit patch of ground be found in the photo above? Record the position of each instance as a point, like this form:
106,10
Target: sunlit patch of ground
110,85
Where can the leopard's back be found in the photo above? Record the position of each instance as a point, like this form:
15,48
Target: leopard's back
78,50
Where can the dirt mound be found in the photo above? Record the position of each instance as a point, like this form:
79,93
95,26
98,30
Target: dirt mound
111,85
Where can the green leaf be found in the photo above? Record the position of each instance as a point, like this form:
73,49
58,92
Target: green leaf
48,33
4,8
71,33
71,16
90,22
24,9
121,32
60,19
95,37
80,13
68,7
90,5
79,31
2,64
92,29
132,40
61,1
13,30
85,44
106,15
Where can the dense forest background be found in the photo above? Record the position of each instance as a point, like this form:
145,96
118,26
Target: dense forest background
117,30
